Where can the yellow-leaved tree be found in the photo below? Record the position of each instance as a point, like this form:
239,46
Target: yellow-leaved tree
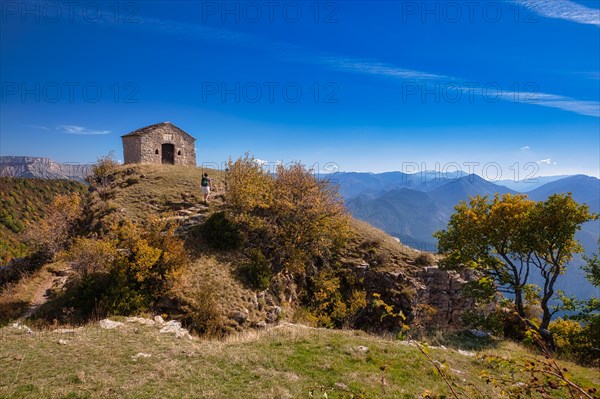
511,238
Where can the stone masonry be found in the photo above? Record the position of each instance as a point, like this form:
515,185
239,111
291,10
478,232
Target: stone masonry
162,143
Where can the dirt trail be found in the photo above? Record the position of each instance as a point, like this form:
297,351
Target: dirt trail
40,295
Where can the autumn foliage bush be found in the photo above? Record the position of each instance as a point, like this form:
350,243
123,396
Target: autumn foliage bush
129,268
50,235
297,219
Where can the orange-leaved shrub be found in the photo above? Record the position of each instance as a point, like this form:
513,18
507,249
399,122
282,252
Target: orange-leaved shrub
128,269
50,235
298,220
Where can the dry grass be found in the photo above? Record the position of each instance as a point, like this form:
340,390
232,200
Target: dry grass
380,250
286,361
217,275
144,190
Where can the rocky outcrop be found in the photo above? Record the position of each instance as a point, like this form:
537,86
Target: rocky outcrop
442,291
429,297
42,168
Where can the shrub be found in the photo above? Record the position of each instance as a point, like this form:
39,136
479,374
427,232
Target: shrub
103,169
149,258
575,341
91,255
332,305
298,219
129,268
220,233
202,312
257,271
425,259
50,234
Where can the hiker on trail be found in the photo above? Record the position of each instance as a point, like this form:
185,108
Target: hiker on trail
206,186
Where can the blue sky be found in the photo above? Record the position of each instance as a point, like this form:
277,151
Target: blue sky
372,86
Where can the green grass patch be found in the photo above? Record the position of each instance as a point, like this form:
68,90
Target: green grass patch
288,361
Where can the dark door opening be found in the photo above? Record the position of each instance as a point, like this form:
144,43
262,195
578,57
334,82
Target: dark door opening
168,154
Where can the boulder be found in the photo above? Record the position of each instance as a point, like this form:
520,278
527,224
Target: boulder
174,327
140,320
108,324
239,316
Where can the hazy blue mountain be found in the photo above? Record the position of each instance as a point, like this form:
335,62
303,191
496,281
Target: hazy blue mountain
454,191
584,188
352,184
43,168
526,185
405,213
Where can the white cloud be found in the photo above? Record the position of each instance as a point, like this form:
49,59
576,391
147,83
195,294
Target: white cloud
376,68
546,161
525,148
582,107
80,130
563,9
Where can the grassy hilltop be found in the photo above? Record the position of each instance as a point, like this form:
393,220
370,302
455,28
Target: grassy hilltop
255,292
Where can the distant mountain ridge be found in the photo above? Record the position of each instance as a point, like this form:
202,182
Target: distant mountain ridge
43,168
526,185
414,212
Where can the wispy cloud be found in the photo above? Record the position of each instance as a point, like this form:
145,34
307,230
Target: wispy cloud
70,129
525,148
376,68
547,161
39,127
80,130
582,107
563,9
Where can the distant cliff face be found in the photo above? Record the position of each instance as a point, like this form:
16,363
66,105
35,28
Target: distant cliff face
44,168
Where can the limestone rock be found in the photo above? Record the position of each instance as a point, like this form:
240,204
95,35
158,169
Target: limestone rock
140,320
239,316
108,324
64,331
23,327
174,327
140,355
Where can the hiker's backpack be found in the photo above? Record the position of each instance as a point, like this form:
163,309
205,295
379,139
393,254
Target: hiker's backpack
204,182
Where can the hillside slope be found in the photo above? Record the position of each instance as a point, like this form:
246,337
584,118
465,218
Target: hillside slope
25,201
